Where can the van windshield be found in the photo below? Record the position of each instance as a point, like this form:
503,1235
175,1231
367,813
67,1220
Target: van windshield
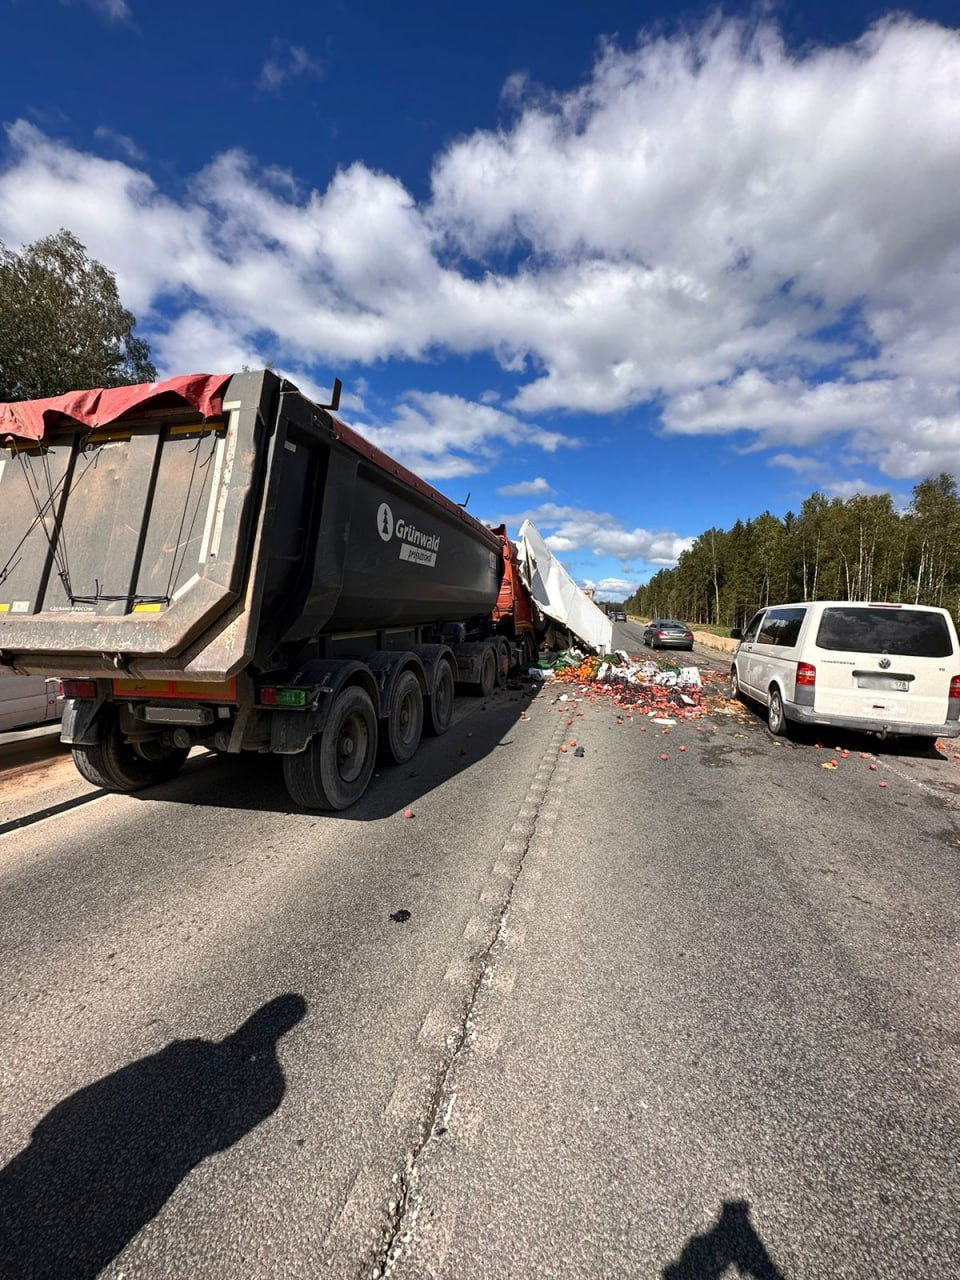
903,632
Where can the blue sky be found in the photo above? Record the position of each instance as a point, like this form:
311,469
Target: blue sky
627,269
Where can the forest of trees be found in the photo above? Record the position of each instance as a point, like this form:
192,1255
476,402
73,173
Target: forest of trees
858,548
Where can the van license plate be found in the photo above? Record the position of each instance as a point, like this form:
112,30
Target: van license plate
883,682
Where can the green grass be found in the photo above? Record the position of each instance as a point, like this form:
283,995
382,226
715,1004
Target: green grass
714,631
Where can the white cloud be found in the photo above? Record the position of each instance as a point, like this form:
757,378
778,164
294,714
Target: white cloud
439,436
196,343
906,426
793,463
709,241
287,61
611,588
853,488
748,238
927,447
119,142
525,487
569,529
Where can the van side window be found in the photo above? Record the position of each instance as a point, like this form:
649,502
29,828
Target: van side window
782,627
751,632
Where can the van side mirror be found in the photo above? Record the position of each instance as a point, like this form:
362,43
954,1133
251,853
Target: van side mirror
736,633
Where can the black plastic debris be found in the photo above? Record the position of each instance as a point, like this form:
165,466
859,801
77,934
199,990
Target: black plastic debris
401,916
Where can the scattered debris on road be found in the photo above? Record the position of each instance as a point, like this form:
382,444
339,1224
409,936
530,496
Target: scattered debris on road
663,693
658,689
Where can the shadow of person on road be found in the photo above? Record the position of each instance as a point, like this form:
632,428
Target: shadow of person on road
732,1241
102,1163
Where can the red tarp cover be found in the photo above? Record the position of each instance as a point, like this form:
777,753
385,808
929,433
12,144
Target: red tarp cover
32,419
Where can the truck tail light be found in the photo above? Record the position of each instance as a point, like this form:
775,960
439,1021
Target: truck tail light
77,688
955,687
806,674
275,696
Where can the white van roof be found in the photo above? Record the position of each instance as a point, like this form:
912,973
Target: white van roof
853,604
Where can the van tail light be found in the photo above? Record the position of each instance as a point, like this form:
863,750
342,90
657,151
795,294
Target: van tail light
806,674
77,688
955,687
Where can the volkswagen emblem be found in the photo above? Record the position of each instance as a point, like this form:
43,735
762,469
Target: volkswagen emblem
884,663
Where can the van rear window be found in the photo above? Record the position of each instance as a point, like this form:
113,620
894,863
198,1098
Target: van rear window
903,632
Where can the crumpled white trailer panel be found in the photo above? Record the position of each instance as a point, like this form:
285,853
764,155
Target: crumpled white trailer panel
558,595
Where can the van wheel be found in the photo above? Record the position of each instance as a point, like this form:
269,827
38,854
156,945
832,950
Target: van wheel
117,765
735,691
334,769
776,720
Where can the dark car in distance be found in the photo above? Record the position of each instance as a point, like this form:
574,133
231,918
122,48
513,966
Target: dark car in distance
667,633
617,615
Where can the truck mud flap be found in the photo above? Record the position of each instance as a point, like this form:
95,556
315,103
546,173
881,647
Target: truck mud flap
291,731
83,722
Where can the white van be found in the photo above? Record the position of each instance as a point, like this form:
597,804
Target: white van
26,701
880,668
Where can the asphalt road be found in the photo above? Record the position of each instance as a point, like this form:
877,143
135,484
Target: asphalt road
594,1016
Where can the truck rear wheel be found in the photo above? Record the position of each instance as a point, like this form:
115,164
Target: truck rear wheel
488,671
405,723
334,769
503,662
439,715
117,765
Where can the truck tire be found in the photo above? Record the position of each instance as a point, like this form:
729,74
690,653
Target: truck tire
503,662
404,725
335,768
488,671
117,765
439,710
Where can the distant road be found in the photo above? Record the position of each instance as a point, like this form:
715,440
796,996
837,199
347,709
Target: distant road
629,635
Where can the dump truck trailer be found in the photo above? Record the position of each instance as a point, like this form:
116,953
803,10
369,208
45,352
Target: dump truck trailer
218,561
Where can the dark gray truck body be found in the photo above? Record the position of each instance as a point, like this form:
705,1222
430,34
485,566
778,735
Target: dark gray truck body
184,563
